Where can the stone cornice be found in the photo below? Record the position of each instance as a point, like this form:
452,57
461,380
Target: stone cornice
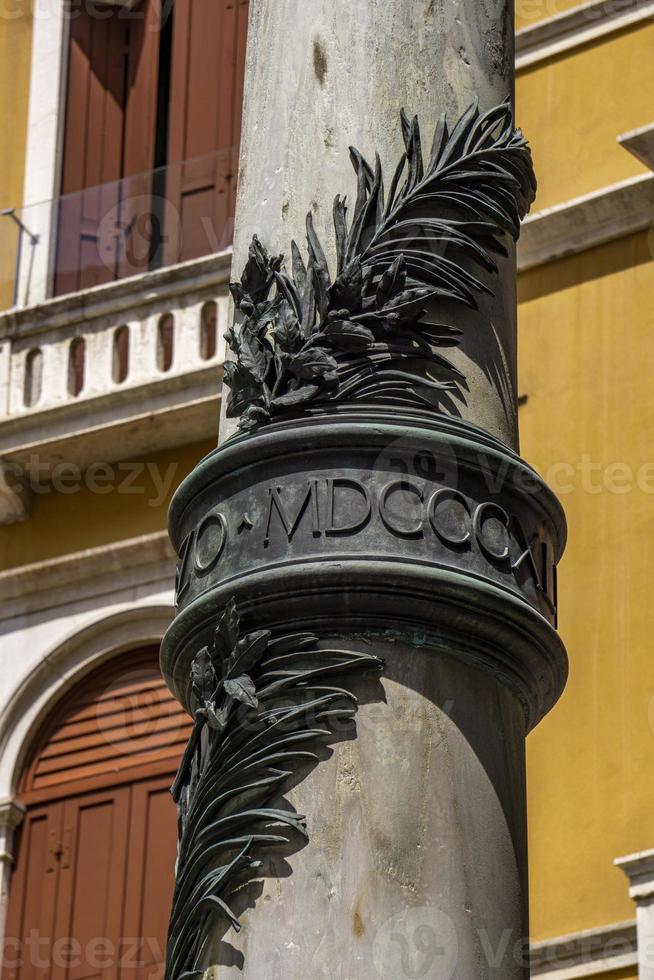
580,25
11,814
585,954
639,869
97,571
584,222
111,298
640,142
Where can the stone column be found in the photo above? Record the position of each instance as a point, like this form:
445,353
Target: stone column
323,75
359,536
11,817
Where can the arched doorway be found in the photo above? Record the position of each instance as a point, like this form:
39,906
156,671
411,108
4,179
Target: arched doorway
93,878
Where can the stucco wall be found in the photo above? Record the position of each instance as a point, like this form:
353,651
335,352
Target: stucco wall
573,107
79,511
15,52
587,358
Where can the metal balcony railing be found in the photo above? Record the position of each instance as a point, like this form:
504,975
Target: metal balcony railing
131,226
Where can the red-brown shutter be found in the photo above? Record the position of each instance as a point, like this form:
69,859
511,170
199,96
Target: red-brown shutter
33,896
109,134
150,879
91,891
91,868
209,43
110,215
124,717
139,137
92,151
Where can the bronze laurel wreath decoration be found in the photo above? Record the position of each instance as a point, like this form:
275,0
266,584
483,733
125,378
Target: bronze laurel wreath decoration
373,334
260,703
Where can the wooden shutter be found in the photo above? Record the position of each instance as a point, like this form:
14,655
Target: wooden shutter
92,151
109,216
123,718
150,880
91,868
33,895
109,134
140,127
208,67
91,890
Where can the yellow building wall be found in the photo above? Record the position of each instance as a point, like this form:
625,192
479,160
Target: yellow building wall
574,106
124,500
586,340
15,56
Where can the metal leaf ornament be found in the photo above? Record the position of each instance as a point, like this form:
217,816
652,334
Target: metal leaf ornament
374,332
261,702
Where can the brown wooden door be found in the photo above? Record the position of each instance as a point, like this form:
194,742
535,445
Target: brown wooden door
208,69
91,891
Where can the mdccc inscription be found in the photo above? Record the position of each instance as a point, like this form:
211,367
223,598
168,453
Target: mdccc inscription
399,519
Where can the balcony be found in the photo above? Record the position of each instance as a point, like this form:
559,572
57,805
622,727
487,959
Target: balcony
132,363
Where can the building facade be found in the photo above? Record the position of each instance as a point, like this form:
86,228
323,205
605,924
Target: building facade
124,123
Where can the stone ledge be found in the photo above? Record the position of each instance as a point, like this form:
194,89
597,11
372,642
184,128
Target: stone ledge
640,142
586,954
639,869
587,221
112,372
124,294
582,24
56,582
143,418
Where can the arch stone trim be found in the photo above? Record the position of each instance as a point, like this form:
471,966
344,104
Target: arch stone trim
61,668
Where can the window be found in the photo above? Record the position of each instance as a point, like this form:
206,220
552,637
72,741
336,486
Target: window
152,127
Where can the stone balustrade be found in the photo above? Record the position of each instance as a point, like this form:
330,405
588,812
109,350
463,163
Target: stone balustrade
111,372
